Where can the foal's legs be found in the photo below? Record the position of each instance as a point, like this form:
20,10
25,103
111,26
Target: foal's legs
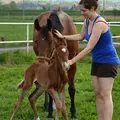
58,103
32,98
71,89
18,103
64,111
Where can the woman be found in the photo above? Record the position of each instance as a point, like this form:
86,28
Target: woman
104,57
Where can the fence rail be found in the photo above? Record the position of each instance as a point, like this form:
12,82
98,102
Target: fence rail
30,41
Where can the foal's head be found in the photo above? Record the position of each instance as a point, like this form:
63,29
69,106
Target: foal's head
61,56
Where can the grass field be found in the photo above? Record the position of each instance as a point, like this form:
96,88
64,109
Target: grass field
18,32
13,65
12,70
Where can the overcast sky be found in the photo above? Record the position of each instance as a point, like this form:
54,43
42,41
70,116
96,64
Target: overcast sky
7,1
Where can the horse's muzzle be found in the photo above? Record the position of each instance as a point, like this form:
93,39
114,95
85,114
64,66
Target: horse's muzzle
65,66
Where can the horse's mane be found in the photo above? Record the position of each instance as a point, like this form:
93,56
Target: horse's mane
56,24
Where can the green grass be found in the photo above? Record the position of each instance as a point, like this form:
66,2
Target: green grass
12,72
17,57
18,32
15,32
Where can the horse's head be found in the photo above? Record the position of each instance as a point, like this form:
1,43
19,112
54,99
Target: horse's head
47,41
43,34
43,39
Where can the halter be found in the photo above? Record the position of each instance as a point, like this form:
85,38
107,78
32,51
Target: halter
46,58
51,57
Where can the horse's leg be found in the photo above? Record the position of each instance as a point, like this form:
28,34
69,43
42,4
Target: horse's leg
58,103
64,111
18,103
32,98
71,89
46,102
50,107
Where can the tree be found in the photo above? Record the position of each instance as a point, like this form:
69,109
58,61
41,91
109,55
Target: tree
13,5
0,2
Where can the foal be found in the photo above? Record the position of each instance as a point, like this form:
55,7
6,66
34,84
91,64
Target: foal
48,77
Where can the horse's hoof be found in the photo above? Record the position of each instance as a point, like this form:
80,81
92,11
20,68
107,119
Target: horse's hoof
50,116
51,119
74,117
45,109
37,118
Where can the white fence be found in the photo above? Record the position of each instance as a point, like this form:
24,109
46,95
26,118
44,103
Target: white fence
116,24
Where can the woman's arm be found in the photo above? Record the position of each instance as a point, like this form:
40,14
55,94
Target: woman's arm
76,37
97,30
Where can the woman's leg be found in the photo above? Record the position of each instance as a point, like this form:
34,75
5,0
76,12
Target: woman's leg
103,92
106,84
99,100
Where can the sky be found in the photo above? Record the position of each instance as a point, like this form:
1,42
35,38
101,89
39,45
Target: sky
17,1
7,1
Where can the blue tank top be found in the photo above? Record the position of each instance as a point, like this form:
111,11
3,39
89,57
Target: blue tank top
104,51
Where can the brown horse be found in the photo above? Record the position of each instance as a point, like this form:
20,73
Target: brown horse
43,46
42,74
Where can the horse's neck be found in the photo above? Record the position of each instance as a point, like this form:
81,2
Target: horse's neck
58,75
56,65
61,73
44,61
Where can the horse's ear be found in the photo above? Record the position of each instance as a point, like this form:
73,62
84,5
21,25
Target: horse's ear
56,43
49,24
36,24
65,42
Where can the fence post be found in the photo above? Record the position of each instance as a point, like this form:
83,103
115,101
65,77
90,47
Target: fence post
27,38
3,39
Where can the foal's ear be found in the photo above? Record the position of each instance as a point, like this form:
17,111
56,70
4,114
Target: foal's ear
65,42
49,24
36,25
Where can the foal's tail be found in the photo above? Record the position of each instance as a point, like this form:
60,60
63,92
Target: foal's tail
20,85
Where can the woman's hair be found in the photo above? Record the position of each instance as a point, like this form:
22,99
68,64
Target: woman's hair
88,4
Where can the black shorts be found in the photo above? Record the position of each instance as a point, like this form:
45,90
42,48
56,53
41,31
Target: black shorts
104,70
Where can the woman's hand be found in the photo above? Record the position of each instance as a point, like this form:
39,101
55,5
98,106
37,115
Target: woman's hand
58,34
70,62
